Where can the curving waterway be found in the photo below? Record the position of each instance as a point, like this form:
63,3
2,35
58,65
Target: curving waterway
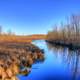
59,64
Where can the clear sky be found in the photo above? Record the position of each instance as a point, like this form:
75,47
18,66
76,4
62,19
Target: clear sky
35,16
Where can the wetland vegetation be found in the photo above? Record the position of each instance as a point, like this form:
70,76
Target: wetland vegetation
67,34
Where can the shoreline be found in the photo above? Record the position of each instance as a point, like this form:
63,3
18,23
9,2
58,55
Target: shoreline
64,44
17,58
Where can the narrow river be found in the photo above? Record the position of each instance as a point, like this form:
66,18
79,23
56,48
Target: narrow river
59,64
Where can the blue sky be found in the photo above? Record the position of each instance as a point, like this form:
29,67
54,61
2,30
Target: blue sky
35,16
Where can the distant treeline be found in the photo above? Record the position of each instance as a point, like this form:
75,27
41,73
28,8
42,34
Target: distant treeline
10,36
68,32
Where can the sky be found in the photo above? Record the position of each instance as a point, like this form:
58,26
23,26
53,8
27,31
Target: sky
35,16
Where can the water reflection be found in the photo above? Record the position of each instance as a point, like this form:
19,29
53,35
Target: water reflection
59,64
70,57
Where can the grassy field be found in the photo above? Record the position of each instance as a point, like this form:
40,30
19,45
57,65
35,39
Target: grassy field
16,52
23,39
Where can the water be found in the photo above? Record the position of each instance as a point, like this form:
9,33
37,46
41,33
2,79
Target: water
60,64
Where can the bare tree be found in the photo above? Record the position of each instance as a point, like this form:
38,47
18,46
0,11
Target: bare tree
75,19
0,29
9,32
69,32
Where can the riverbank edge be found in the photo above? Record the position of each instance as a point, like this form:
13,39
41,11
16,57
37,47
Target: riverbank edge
33,48
64,44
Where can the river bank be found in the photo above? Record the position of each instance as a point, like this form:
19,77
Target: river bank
17,58
72,46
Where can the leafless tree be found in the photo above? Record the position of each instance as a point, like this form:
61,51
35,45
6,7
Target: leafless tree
0,29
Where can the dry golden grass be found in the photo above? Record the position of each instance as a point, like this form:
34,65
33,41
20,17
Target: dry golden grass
23,39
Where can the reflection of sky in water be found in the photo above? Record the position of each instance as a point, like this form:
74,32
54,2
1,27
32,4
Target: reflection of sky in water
54,66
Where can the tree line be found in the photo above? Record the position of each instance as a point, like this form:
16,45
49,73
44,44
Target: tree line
68,32
9,32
